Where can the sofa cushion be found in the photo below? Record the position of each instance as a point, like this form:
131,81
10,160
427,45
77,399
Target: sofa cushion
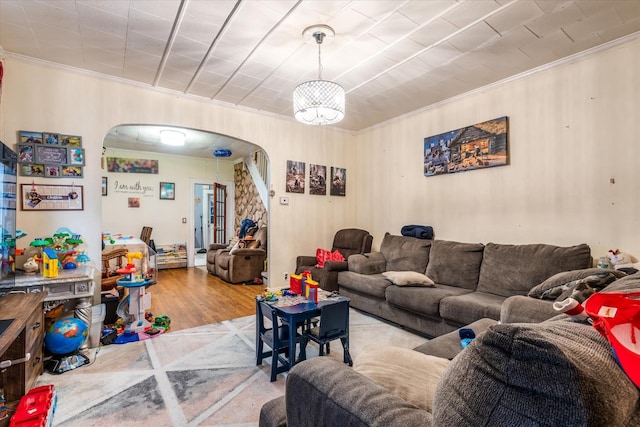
404,253
324,391
467,308
455,263
410,374
563,285
422,301
372,284
552,373
372,263
514,269
407,278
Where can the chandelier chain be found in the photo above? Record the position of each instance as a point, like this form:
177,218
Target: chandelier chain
319,60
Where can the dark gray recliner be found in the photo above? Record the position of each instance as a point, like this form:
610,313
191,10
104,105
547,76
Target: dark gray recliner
348,241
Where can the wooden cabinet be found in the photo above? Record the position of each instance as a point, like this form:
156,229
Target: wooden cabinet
25,335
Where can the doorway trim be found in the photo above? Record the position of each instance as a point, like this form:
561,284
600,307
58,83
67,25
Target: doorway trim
231,209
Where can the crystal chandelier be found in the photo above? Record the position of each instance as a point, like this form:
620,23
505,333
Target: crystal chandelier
318,102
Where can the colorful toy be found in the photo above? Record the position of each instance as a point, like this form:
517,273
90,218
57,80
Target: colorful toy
616,315
36,408
134,319
162,321
49,263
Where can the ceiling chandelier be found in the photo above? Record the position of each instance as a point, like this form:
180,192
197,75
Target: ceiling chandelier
318,102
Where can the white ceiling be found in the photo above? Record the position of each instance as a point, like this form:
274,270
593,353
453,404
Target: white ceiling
391,56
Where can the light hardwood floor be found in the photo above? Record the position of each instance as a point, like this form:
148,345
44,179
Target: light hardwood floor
193,297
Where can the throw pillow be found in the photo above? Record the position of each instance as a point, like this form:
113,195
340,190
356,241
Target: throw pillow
323,255
336,256
238,245
578,282
253,244
408,278
410,374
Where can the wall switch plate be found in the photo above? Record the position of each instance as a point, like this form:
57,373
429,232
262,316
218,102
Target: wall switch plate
184,220
284,200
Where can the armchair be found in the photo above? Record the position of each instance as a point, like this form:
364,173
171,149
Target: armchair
348,241
241,264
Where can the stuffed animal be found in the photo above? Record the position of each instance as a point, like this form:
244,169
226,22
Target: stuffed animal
617,258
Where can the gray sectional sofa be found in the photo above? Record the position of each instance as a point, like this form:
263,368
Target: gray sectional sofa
471,281
555,373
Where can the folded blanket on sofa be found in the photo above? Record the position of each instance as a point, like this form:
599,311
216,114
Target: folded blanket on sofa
419,231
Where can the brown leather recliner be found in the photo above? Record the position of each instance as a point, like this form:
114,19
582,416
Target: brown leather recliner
242,264
348,241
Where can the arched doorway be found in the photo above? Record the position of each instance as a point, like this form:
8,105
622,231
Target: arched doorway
183,168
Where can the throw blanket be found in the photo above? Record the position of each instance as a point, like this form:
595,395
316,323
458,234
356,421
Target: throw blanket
419,231
244,226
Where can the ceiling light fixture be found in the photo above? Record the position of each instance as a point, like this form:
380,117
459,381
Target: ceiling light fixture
172,137
318,102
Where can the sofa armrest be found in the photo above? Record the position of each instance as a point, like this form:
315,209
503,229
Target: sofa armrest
273,413
371,263
336,265
305,260
524,309
249,252
216,246
325,392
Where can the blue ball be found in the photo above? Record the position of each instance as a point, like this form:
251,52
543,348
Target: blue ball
66,336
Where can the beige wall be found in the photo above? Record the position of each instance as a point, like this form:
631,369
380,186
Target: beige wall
572,128
39,97
117,217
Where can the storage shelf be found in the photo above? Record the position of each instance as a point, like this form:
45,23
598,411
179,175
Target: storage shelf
172,256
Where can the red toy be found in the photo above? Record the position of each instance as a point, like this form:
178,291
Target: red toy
36,408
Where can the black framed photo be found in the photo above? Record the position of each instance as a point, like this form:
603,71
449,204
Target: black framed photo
105,186
167,191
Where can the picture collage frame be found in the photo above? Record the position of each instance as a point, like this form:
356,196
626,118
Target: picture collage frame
318,180
50,155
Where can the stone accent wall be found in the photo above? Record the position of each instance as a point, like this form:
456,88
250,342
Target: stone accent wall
247,200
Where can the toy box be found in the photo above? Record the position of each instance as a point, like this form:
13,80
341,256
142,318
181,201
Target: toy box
36,408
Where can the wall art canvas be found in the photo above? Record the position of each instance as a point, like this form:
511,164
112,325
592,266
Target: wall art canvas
338,181
479,146
318,180
50,155
45,197
123,165
295,176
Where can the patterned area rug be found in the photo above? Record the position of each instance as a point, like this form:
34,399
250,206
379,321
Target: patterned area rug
205,376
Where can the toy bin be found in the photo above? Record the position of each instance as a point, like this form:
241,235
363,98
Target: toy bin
97,318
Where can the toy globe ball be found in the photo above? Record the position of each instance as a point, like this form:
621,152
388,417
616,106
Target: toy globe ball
66,336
